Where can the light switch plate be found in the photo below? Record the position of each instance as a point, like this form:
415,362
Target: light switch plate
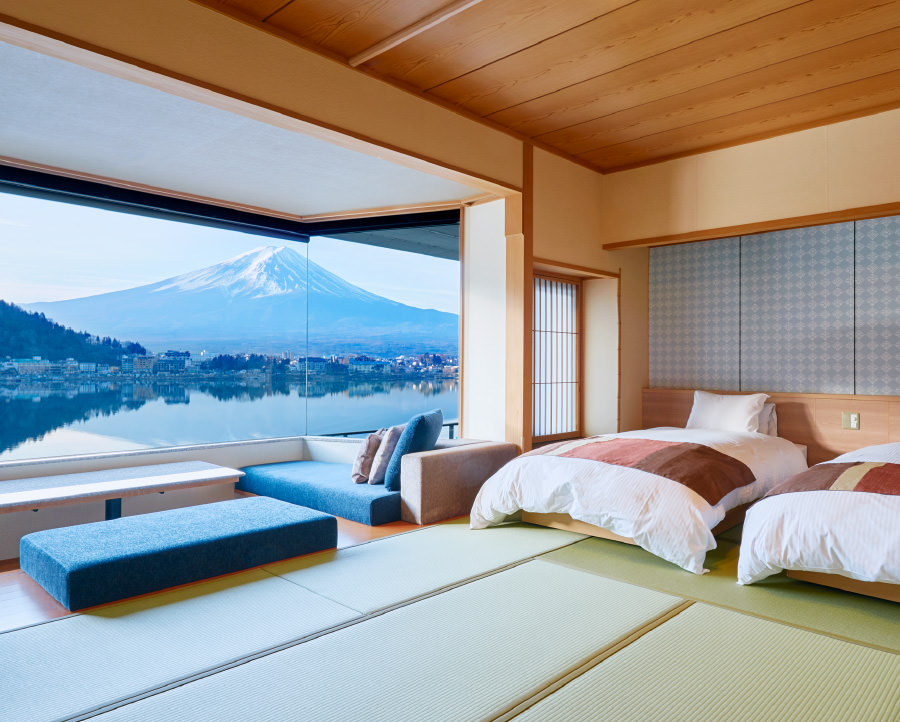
850,420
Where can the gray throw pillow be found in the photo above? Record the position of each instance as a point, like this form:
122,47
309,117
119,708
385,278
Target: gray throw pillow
362,465
383,455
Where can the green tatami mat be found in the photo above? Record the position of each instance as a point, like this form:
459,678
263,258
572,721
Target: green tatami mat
709,663
79,663
850,616
469,653
395,569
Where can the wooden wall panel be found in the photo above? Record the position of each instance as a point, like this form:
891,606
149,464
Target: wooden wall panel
813,420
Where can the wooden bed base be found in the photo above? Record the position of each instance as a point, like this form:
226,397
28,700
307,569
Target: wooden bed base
567,523
882,590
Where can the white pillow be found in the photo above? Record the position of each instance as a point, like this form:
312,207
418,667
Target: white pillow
726,413
768,420
382,458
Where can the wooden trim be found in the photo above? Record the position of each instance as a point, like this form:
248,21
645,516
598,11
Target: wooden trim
481,200
106,61
580,375
462,309
384,211
528,280
882,590
619,368
570,270
411,31
748,229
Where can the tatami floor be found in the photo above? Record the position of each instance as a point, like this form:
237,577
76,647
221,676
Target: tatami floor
447,623
23,601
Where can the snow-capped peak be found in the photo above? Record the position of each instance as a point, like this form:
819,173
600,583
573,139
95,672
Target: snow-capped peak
260,273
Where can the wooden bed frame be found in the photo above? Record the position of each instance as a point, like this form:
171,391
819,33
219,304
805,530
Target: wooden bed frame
813,420
567,523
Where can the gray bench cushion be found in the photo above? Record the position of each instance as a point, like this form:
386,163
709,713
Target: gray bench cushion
81,566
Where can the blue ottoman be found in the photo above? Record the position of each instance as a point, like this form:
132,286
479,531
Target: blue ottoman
89,564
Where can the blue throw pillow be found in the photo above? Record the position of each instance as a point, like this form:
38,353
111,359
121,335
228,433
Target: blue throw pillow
419,435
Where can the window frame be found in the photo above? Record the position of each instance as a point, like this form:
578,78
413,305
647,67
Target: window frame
578,358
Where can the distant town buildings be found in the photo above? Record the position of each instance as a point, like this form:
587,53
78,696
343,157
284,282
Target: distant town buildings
181,363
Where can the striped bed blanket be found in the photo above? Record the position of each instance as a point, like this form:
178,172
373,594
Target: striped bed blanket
663,488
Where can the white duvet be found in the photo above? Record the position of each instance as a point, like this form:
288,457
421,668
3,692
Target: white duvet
662,516
851,533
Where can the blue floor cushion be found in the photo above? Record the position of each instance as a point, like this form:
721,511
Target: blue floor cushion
81,566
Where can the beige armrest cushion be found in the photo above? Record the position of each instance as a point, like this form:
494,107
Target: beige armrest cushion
442,484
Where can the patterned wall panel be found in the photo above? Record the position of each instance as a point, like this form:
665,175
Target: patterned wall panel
797,310
694,315
878,306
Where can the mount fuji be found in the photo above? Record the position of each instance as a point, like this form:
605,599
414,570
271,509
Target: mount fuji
259,301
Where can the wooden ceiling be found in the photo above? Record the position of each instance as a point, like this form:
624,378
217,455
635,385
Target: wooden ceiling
615,83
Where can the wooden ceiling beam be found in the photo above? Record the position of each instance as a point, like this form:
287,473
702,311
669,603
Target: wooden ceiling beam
411,31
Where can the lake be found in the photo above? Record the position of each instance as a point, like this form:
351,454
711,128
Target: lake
93,418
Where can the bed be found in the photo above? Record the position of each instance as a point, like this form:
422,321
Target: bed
836,524
664,489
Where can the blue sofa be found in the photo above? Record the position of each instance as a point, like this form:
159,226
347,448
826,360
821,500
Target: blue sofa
324,486
434,485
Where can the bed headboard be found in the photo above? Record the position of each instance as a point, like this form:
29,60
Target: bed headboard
810,419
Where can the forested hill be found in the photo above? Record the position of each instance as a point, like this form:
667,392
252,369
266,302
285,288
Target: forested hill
24,335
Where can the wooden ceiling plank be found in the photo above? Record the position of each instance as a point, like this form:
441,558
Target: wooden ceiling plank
628,35
833,105
257,10
488,33
417,28
838,66
347,27
775,38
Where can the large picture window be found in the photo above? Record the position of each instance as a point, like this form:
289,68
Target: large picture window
121,331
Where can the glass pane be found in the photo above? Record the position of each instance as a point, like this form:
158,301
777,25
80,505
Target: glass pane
155,333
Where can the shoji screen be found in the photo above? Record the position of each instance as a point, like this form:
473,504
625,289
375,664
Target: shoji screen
556,349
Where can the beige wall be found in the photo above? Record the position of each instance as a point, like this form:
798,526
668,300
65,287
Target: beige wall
571,226
483,401
841,166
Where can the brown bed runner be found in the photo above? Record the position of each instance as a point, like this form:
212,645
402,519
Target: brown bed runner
872,476
708,472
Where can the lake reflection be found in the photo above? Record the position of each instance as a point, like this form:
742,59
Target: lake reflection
107,416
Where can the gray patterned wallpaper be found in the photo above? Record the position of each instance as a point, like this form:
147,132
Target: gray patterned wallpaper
813,310
695,315
797,310
878,306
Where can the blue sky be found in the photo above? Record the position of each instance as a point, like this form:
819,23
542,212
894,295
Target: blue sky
54,251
